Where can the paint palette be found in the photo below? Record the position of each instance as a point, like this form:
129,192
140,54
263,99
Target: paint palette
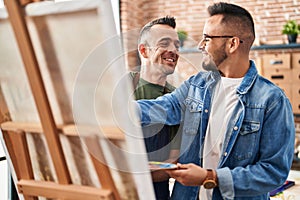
156,165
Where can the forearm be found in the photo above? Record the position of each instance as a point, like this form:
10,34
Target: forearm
166,109
159,175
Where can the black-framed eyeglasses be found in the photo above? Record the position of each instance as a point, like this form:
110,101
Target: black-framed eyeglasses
205,36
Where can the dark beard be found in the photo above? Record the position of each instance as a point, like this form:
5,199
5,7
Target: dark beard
208,64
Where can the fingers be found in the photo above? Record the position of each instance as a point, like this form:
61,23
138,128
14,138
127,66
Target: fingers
176,173
157,55
173,173
182,166
188,174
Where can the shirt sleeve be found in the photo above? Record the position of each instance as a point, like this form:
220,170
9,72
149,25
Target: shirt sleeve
167,109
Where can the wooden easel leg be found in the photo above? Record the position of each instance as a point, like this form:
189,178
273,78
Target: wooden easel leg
102,170
16,12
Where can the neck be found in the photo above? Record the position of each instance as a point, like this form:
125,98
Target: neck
235,69
153,77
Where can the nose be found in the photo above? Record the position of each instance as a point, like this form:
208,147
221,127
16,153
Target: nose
173,47
201,44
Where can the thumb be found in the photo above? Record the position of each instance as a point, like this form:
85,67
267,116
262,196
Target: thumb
182,166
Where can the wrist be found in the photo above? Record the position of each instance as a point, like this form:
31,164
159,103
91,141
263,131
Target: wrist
211,180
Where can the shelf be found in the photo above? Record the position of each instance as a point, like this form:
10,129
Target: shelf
276,46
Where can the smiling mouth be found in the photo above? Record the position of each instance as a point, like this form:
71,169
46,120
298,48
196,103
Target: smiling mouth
203,52
169,59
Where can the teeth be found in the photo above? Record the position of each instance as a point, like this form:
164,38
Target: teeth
170,59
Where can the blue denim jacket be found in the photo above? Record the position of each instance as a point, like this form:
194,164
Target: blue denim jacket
259,142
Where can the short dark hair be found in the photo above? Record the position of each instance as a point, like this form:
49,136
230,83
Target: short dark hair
233,13
167,20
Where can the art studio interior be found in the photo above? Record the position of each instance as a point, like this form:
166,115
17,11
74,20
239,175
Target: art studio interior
69,127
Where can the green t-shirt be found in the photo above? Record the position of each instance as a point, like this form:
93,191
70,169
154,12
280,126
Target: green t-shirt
147,90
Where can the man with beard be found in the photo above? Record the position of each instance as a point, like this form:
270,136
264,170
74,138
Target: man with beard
158,49
238,128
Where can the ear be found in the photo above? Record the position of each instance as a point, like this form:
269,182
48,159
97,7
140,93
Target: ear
234,44
143,50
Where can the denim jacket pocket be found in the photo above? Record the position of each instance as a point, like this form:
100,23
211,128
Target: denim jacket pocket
246,141
193,105
193,114
249,127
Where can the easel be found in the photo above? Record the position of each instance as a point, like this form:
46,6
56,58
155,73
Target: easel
14,133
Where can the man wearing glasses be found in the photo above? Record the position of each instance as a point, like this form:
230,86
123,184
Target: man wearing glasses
238,128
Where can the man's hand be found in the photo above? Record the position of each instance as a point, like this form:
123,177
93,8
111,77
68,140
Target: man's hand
159,175
157,55
188,174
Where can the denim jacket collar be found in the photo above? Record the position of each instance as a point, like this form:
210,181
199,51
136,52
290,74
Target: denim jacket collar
246,84
249,79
